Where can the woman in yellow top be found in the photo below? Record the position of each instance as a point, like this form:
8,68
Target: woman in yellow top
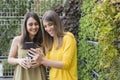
60,49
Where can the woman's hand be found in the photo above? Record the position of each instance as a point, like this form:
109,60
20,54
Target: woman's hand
25,63
34,64
37,55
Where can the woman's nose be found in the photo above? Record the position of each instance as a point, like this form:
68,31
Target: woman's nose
47,27
34,26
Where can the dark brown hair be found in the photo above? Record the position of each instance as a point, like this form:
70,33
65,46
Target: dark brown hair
25,35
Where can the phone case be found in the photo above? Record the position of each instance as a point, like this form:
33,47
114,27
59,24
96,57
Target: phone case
29,45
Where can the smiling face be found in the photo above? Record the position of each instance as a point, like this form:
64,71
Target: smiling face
32,27
49,27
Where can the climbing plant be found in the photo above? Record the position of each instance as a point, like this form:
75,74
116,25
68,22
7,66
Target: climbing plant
11,15
108,35
98,26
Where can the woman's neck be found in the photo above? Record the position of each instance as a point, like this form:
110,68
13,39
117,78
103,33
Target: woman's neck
31,38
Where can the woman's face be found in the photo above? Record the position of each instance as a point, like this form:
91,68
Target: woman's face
32,27
49,27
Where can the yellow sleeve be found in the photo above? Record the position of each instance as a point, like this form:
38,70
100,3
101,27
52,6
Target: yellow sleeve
70,50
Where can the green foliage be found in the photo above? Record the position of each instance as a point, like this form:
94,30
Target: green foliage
48,4
19,7
88,53
104,17
87,6
12,11
88,60
115,69
101,24
7,68
7,33
107,32
88,27
107,38
10,19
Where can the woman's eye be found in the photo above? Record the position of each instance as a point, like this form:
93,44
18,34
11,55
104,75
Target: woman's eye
36,24
30,24
50,24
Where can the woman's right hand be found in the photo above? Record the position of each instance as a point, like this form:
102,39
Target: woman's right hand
37,55
24,63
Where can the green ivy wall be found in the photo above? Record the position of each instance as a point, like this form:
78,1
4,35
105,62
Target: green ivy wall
98,56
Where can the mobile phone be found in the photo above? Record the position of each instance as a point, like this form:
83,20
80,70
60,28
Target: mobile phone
29,45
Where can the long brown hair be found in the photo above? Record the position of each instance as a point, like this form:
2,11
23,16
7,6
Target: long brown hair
53,17
25,35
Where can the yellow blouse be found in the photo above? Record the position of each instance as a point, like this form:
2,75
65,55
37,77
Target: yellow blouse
67,53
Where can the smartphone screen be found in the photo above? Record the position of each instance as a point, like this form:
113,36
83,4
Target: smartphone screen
29,45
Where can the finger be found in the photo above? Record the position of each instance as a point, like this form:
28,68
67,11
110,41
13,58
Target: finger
35,65
33,61
31,52
32,49
27,63
32,55
39,51
23,64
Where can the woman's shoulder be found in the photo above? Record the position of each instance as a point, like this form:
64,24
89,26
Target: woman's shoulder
17,38
69,35
69,38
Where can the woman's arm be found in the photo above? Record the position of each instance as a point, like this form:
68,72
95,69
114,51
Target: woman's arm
13,52
39,57
12,57
51,63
